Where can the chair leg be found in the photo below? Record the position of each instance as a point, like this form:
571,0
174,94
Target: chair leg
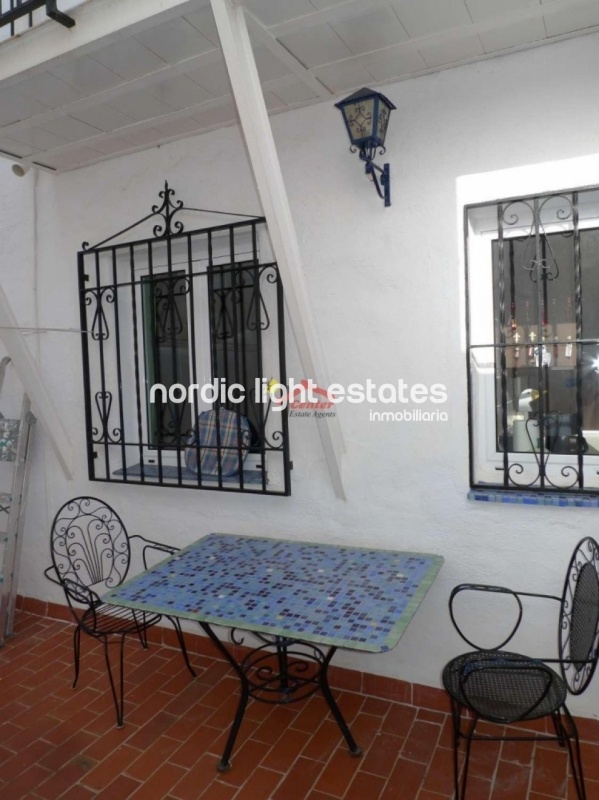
118,699
560,731
574,752
177,626
468,736
76,652
456,715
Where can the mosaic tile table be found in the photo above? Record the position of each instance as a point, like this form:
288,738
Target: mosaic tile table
293,597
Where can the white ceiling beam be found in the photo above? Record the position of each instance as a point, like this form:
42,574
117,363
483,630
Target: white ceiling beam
98,22
450,34
237,49
33,383
189,111
106,95
264,37
353,8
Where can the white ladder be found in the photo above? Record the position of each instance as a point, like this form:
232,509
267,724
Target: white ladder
15,442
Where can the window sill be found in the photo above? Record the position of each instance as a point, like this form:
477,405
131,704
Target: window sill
534,498
189,477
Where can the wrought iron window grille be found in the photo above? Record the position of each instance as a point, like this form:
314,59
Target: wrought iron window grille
184,308
532,283
13,10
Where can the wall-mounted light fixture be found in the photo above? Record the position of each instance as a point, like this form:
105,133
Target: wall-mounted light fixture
20,170
366,116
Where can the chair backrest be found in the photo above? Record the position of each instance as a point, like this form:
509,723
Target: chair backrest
89,543
579,617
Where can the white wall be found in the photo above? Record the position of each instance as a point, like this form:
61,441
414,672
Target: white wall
386,285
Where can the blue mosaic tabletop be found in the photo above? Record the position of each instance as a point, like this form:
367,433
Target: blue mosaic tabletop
352,597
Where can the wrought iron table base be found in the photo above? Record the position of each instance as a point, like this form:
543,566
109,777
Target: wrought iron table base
295,676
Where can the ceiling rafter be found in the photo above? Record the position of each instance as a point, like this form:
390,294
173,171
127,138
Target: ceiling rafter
353,8
311,74
46,45
208,105
451,34
261,33
106,95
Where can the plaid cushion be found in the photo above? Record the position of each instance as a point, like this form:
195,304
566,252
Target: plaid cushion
230,430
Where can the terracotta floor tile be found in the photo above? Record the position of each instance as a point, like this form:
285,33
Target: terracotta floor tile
274,725
200,742
421,741
65,777
484,757
299,781
349,703
405,781
550,771
365,785
222,791
364,728
244,761
338,773
440,777
104,772
518,752
323,741
590,760
511,782
535,796
152,730
261,783
24,782
152,758
374,705
313,712
60,744
122,788
196,780
399,719
281,757
382,754
78,792
479,788
157,785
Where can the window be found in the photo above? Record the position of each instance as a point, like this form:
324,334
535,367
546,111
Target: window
533,342
170,323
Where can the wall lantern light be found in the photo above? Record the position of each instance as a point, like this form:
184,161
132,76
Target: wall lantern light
366,116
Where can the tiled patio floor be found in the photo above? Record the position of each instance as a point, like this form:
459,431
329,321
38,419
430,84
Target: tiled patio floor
56,742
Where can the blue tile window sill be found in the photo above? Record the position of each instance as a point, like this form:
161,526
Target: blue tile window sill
534,498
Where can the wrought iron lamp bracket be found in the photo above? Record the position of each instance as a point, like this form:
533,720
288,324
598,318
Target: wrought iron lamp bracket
382,184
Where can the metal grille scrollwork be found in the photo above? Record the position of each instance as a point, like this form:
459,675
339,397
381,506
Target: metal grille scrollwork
541,253
89,544
171,322
579,627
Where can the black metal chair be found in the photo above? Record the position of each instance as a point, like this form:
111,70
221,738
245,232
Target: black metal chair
91,553
504,687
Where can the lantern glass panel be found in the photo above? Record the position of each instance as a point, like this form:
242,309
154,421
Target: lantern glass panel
384,112
360,118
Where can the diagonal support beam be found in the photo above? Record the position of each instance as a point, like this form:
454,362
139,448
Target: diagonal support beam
33,384
239,58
